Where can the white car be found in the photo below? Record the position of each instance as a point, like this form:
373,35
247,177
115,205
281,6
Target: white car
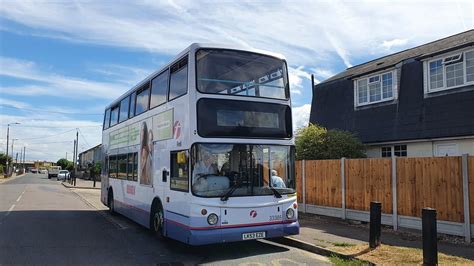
63,175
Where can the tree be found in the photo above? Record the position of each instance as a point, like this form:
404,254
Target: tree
3,160
95,169
65,164
316,143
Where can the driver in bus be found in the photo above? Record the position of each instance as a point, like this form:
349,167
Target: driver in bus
207,166
277,181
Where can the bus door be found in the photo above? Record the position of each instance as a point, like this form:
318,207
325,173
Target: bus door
177,196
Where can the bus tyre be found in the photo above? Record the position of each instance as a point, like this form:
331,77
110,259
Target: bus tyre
157,221
111,203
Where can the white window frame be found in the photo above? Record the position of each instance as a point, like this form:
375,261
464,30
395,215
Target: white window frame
380,74
426,71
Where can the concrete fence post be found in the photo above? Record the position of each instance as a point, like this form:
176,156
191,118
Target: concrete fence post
394,194
343,187
303,179
465,192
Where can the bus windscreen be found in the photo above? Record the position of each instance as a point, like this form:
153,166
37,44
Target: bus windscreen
233,72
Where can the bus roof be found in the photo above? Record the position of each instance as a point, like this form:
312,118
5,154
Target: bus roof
192,47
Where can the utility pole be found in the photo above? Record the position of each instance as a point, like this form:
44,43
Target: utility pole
71,176
24,156
13,142
66,156
8,136
75,156
21,156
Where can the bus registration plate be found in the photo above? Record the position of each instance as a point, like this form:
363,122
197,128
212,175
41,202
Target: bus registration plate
254,235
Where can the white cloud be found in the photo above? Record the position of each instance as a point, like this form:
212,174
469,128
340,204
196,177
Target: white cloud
47,139
322,73
296,76
301,116
49,83
394,43
312,33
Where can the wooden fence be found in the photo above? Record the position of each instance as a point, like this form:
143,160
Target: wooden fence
403,185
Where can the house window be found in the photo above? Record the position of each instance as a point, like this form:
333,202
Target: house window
451,71
374,89
400,150
436,74
387,151
469,66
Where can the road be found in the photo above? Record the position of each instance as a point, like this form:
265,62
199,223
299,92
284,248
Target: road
42,222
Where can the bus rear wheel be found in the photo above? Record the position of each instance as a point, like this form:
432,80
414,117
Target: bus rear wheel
157,221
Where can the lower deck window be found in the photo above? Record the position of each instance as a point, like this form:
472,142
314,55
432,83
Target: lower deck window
179,178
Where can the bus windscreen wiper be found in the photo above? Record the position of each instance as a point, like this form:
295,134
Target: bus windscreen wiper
230,191
275,192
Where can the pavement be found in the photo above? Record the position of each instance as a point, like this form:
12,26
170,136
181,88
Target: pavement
3,179
43,222
82,183
325,232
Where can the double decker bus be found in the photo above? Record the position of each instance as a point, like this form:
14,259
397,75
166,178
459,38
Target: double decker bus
202,150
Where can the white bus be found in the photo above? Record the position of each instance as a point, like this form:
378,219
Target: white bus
202,151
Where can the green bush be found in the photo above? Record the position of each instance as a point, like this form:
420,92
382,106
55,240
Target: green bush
316,143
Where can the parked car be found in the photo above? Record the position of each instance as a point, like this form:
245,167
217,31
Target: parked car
63,175
42,171
54,171
34,170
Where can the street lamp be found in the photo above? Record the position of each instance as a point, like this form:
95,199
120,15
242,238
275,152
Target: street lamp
8,134
13,152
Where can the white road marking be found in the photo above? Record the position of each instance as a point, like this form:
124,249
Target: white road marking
17,200
10,210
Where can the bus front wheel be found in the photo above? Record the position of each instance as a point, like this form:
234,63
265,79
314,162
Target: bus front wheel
157,221
111,202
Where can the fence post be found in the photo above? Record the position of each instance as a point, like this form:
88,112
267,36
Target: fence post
465,192
343,187
375,224
303,178
394,194
429,236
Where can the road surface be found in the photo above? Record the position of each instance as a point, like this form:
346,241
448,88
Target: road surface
42,222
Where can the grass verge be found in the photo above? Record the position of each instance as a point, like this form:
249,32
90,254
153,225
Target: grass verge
389,255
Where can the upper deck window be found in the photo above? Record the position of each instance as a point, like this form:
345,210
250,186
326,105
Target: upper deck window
124,104
179,79
114,114
131,112
143,100
107,119
241,73
159,89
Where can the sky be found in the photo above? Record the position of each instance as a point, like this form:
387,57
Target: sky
62,62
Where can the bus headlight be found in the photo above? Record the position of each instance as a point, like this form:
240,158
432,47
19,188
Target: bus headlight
290,213
212,219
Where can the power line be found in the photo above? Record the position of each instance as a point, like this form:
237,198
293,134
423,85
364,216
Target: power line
84,138
39,110
73,127
49,135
